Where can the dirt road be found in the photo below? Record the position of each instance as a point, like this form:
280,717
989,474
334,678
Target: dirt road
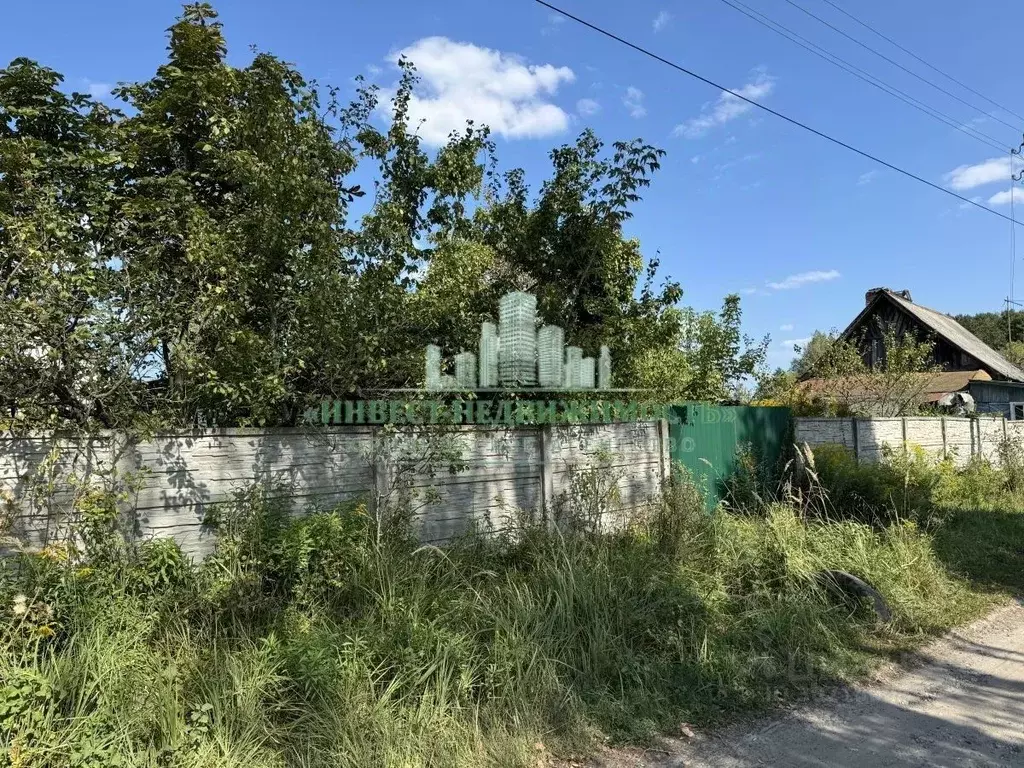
963,706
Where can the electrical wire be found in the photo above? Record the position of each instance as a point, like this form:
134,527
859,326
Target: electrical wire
769,110
895,63
913,55
861,74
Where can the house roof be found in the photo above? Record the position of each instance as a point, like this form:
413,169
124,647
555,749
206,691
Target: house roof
932,385
950,330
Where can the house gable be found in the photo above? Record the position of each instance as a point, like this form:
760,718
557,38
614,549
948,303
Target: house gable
956,349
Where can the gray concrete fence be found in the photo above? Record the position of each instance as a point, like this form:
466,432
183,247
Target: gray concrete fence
948,437
502,473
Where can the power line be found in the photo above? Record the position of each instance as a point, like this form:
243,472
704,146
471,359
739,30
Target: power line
927,64
861,74
769,110
895,63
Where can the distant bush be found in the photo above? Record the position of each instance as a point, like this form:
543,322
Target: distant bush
914,485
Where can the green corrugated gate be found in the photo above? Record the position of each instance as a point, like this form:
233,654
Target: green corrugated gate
705,439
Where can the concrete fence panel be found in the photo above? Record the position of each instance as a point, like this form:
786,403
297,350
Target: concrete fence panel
958,438
500,474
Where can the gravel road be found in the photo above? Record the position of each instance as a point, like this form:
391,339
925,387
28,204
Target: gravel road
961,704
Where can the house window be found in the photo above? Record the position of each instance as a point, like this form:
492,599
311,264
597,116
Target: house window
1017,411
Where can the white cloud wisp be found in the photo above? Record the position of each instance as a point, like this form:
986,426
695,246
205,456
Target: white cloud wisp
727,107
804,278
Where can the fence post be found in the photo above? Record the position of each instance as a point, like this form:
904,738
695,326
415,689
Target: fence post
942,424
903,429
380,482
547,480
665,450
122,457
856,440
1002,448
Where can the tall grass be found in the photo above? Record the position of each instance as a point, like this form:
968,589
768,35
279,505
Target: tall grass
308,642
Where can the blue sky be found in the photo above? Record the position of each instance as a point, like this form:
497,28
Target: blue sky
744,202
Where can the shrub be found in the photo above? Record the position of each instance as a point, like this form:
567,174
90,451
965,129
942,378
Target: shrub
913,485
310,641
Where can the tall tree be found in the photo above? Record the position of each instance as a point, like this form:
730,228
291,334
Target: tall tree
419,215
67,355
816,351
236,210
568,247
195,259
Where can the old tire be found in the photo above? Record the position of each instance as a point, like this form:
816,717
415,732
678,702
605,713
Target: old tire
848,585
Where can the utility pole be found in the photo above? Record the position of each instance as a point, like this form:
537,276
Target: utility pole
1014,178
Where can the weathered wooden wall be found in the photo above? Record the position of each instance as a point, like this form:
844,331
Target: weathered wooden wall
957,438
505,473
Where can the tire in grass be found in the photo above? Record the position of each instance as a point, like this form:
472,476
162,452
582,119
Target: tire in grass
848,585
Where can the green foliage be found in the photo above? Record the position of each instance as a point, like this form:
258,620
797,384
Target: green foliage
843,383
897,487
819,350
913,485
1003,331
67,351
1014,352
310,637
234,210
192,260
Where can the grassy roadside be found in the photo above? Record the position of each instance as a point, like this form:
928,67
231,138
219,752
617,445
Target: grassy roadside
307,643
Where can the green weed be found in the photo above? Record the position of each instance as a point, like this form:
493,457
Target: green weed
312,642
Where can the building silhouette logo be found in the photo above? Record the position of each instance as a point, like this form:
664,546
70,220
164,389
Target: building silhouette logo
512,355
515,354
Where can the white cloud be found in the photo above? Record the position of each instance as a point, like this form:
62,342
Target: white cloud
790,343
98,90
866,178
721,168
727,107
986,172
634,101
661,20
695,159
462,81
587,107
803,278
373,69
786,327
1003,198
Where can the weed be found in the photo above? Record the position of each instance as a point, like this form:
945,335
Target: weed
319,641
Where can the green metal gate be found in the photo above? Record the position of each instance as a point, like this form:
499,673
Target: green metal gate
706,441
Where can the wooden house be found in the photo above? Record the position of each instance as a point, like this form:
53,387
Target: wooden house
955,348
